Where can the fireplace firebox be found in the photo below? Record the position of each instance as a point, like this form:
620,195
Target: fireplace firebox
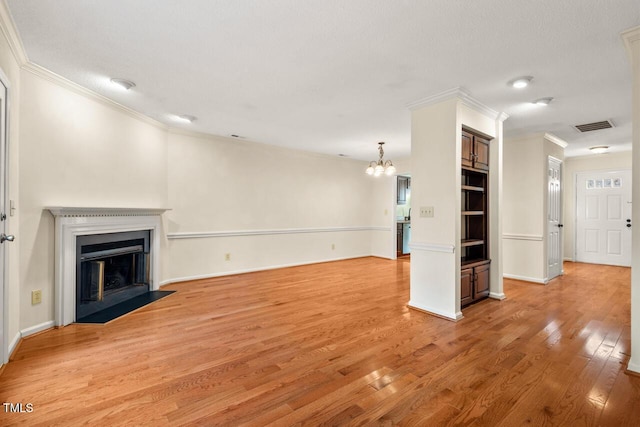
110,268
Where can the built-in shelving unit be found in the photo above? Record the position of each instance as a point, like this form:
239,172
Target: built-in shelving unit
474,244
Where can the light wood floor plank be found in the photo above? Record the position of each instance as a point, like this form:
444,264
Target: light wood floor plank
335,344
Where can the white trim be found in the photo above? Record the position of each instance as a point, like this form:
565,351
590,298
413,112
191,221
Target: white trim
552,138
253,270
88,93
464,97
68,227
513,236
267,232
454,316
568,259
629,36
498,296
37,328
60,211
432,247
525,278
633,367
10,32
13,345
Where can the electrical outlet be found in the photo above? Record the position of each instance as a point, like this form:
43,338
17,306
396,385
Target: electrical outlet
36,297
386,212
333,246
426,211
227,257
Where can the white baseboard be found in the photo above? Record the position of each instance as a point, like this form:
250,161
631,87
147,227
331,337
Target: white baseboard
568,259
13,344
525,278
497,296
37,328
253,270
439,313
633,367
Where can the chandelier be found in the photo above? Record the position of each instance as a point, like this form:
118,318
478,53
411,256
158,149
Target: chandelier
381,166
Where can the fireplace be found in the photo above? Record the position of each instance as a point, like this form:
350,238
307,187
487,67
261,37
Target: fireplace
121,251
110,268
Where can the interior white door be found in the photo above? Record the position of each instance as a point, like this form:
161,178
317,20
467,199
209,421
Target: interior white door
4,351
554,218
603,217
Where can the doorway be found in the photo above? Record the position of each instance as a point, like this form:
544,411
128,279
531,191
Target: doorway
403,215
603,217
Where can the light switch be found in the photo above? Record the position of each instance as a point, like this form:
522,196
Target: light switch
426,211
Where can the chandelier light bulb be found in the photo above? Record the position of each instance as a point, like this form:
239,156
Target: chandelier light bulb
377,168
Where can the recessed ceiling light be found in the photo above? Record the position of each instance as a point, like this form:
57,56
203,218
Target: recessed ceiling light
521,82
599,149
543,101
185,118
123,83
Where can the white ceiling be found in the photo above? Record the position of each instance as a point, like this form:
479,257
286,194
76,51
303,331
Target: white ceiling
335,76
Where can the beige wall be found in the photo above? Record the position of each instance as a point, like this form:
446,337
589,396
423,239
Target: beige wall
76,151
261,204
573,165
525,191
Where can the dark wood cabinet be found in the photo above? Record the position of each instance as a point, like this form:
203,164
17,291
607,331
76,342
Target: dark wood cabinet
474,283
399,237
474,230
475,151
404,186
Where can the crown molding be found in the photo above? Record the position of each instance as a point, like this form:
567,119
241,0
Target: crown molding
81,90
630,36
8,29
552,138
464,97
434,99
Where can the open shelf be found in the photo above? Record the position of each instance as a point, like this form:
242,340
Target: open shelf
472,188
471,242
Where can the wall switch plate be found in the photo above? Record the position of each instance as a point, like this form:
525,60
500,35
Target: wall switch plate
426,211
36,297
227,257
333,246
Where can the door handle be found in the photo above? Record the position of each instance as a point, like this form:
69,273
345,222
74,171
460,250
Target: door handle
5,237
560,225
629,225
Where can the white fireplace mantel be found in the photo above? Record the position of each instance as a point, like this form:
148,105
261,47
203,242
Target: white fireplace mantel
71,222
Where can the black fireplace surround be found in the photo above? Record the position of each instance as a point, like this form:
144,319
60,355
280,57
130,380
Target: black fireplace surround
110,268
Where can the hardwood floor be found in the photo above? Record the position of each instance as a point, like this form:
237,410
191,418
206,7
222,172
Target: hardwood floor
335,344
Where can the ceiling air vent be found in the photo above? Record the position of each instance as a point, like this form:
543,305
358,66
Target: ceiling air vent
607,124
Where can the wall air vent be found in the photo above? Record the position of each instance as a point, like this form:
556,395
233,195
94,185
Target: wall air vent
588,127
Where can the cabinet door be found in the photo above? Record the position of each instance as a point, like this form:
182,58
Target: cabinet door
481,279
466,294
467,149
481,151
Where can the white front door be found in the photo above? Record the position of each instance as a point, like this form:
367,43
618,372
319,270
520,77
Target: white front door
554,218
603,217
